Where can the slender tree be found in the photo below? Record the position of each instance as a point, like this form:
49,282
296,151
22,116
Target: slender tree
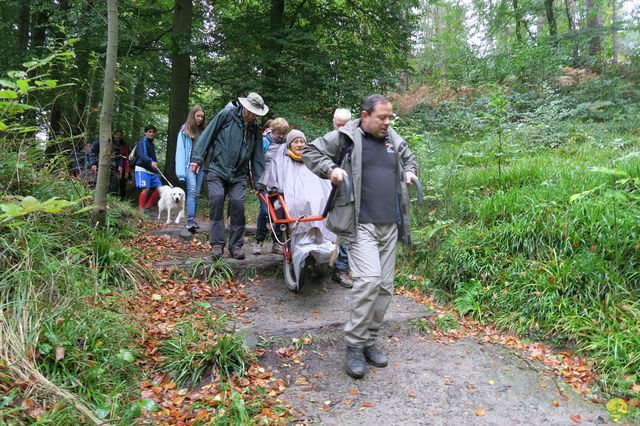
551,19
594,24
104,164
180,76
614,22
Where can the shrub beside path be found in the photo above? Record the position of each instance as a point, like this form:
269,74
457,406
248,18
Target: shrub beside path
432,378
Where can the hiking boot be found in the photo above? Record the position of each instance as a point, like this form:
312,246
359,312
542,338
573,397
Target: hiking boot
257,248
217,252
343,279
375,357
236,253
356,363
192,226
276,248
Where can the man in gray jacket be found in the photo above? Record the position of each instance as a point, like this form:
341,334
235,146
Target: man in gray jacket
224,150
372,218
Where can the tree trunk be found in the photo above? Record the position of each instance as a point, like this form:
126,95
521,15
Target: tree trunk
104,163
516,16
24,26
273,62
614,22
180,75
571,26
138,104
551,19
594,23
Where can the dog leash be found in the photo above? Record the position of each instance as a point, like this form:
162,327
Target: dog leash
164,177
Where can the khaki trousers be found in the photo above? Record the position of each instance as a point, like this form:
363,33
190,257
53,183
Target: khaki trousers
372,259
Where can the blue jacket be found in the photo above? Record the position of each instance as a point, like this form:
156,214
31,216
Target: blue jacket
183,154
146,153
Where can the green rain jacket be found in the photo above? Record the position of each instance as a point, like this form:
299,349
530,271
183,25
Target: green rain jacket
227,146
322,155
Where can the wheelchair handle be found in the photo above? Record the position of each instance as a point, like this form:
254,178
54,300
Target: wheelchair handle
419,189
346,182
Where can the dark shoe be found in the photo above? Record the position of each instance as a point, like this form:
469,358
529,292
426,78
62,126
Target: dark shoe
375,357
192,226
217,253
236,254
342,279
356,363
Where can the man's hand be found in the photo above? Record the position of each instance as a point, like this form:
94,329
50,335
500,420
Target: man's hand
94,168
336,176
409,177
154,165
194,167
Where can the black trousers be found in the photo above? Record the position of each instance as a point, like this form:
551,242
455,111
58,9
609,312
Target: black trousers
220,189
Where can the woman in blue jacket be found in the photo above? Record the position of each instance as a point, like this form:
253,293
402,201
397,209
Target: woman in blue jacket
187,137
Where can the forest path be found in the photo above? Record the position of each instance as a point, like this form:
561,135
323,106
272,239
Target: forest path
431,379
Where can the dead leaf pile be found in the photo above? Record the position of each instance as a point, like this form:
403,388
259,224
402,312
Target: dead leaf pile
160,308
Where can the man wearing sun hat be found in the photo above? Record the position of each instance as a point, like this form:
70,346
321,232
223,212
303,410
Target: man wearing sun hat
228,145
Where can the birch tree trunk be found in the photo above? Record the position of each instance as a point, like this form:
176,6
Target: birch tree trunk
104,162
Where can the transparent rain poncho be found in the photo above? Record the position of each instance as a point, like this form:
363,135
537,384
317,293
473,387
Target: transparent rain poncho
305,194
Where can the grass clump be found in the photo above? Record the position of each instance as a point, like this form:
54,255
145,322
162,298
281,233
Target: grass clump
196,348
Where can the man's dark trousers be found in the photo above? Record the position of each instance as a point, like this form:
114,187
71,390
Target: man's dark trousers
218,190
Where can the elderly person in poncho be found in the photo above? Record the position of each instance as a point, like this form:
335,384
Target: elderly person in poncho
305,194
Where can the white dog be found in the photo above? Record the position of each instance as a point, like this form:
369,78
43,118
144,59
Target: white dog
171,199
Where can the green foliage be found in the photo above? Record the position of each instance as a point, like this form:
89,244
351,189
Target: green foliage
547,246
60,278
194,349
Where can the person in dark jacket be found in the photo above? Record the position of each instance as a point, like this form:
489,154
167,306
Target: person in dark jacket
115,174
146,168
231,142
123,147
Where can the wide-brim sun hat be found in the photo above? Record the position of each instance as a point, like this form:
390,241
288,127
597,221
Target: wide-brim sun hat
293,135
254,103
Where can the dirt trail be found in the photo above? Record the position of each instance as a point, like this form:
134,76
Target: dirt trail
427,382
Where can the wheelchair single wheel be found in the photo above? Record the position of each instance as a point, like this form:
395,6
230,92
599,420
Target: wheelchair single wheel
290,278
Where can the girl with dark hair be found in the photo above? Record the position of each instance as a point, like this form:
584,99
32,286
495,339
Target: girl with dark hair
187,136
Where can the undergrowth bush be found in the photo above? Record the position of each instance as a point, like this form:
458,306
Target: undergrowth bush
58,331
539,234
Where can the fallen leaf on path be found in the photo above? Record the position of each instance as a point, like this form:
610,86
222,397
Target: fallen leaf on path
448,381
480,412
353,391
490,382
412,394
635,388
634,403
555,403
576,418
59,352
471,386
366,404
301,381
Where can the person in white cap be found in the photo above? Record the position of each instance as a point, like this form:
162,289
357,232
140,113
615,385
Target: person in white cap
228,145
